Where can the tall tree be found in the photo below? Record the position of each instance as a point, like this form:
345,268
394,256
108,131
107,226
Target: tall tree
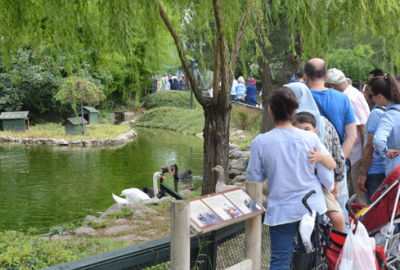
311,27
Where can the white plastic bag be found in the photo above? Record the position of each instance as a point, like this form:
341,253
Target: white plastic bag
307,224
357,252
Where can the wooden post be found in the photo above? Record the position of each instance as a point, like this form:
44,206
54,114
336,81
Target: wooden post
180,235
253,228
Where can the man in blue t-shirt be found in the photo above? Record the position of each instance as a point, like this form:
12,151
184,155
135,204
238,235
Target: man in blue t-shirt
337,108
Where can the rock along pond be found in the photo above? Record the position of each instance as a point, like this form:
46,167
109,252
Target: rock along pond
43,186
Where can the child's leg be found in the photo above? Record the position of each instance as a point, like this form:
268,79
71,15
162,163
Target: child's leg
334,211
337,220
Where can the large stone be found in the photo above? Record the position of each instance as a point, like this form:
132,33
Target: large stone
121,221
117,207
85,231
239,132
240,164
233,146
88,218
119,229
135,206
237,155
247,148
239,178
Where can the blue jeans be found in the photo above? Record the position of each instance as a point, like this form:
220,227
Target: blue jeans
372,184
342,200
282,237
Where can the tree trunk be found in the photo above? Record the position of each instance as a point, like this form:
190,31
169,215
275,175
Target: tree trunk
217,110
216,144
290,66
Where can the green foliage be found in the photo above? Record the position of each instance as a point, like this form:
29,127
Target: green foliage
76,89
355,63
64,229
30,84
172,98
95,225
182,120
21,251
124,213
246,119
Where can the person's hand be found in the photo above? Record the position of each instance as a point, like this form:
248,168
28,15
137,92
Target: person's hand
361,181
392,153
315,156
335,190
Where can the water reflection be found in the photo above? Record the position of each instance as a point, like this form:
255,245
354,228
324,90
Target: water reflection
44,185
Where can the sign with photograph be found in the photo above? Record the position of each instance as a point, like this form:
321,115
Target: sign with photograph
217,210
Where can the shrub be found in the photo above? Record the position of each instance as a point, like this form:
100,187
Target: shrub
246,119
124,213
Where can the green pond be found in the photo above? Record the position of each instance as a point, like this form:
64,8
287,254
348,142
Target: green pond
43,186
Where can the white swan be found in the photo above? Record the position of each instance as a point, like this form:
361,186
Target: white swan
221,186
136,195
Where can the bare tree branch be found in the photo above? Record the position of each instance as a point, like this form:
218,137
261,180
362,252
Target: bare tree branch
182,56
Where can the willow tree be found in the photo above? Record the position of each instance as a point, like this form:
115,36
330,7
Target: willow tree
74,27
307,29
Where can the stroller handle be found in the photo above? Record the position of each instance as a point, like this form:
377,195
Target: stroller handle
305,198
348,206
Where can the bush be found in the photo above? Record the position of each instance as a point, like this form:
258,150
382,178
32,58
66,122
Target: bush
246,119
171,98
21,251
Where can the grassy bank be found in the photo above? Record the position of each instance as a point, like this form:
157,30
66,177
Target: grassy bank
170,109
57,131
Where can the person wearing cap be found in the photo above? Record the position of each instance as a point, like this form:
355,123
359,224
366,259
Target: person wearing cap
337,108
251,91
175,84
338,81
166,83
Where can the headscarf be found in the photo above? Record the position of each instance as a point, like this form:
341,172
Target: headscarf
252,81
307,104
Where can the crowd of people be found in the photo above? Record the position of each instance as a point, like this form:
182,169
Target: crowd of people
241,92
329,137
169,82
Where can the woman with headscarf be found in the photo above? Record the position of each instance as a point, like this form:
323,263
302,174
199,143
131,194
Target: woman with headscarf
251,91
329,137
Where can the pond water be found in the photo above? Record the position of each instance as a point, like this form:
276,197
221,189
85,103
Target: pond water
42,186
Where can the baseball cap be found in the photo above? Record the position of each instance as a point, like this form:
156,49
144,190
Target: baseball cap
335,76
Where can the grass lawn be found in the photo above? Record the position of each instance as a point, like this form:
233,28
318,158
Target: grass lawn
57,131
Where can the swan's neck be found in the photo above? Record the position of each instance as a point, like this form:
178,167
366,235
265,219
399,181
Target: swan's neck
176,172
221,179
155,185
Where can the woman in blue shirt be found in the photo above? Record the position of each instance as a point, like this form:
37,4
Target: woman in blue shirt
280,156
385,91
251,92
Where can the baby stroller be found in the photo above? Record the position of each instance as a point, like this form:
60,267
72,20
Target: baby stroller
380,217
327,245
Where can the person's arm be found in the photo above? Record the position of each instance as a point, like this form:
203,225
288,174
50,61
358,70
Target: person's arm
361,131
325,176
351,136
382,133
366,162
326,159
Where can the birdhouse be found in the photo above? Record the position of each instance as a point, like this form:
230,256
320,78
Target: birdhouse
90,114
15,121
74,126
